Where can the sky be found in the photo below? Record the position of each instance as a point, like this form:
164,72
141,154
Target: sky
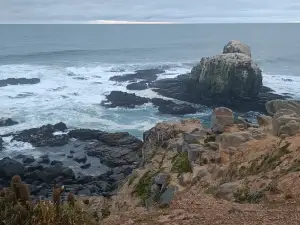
149,11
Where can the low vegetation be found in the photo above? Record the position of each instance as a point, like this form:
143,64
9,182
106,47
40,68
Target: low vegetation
181,163
16,208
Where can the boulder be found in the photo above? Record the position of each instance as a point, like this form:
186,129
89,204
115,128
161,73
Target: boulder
275,105
285,122
4,122
222,116
227,190
230,76
235,46
10,167
137,86
161,179
263,120
177,109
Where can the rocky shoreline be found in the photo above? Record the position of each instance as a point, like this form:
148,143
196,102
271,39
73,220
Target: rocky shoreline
86,162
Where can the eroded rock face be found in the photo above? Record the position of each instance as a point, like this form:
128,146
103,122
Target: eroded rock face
235,46
231,75
275,105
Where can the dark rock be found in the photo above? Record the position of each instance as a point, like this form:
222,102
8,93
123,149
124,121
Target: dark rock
42,136
170,107
85,166
28,159
60,126
4,122
56,162
35,189
44,159
137,86
72,152
68,172
84,134
103,186
123,99
83,179
17,81
34,166
147,75
81,158
185,89
10,167
84,192
114,156
70,156
123,139
1,143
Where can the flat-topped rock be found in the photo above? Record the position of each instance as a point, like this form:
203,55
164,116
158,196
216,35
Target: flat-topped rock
235,46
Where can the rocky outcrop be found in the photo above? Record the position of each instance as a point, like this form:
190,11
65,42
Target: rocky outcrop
273,106
264,120
222,116
130,100
123,99
43,136
17,81
4,122
233,75
235,46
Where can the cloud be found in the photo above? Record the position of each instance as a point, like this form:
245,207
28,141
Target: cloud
171,11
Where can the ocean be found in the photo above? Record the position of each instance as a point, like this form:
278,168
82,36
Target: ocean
75,62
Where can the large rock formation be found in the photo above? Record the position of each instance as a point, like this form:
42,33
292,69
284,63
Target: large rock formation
231,75
275,105
235,46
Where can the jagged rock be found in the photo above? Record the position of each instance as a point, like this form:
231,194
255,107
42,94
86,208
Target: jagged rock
4,122
123,99
235,46
10,167
231,75
275,105
17,81
222,116
137,86
264,120
56,162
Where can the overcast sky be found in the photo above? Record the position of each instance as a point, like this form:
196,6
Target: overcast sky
183,11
